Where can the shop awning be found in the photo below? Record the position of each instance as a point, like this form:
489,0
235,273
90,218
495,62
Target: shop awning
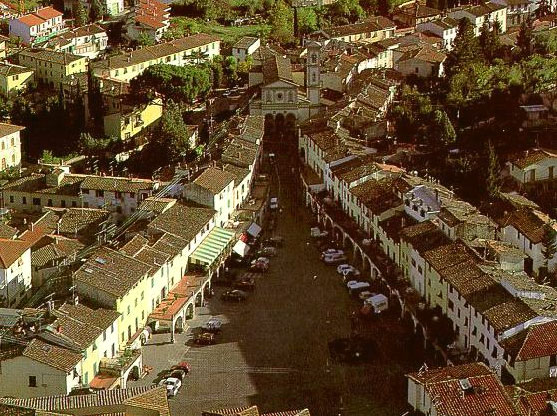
254,230
212,246
241,248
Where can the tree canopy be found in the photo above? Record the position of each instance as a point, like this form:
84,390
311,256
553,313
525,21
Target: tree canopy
281,18
180,84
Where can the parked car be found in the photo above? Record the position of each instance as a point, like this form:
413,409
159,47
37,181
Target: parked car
315,232
172,386
267,251
245,283
347,268
179,374
261,264
183,365
234,295
205,338
358,287
334,259
275,241
331,251
212,325
366,294
274,203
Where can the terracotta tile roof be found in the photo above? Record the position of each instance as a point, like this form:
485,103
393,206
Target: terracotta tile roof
7,69
183,221
423,11
239,172
276,68
233,411
58,249
156,204
149,21
377,196
48,13
63,58
51,355
111,271
532,157
487,397
372,24
529,223
31,20
7,128
214,180
509,314
457,372
240,153
104,398
537,341
467,278
132,247
7,232
153,399
245,42
424,236
448,255
10,251
424,53
160,50
117,184
152,256
78,220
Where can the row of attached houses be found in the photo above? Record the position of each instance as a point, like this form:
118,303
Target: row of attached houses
226,187
179,52
457,259
64,190
37,26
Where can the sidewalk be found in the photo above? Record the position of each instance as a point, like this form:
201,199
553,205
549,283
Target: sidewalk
160,354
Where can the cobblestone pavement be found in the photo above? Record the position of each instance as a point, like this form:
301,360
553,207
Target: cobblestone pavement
273,350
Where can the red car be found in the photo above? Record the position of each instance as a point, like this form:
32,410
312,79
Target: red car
184,366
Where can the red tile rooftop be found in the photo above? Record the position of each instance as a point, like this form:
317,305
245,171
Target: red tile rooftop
188,285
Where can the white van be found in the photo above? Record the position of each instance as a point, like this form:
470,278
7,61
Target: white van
379,303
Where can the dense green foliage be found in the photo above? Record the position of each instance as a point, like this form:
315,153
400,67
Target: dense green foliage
180,84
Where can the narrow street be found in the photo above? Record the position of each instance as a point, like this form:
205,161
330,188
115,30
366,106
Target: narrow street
273,350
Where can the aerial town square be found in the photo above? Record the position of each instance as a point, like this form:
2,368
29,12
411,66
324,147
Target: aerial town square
278,207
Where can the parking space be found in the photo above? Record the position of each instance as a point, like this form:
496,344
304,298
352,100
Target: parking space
274,348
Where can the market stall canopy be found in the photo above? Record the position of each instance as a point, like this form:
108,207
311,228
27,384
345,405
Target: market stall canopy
212,246
241,248
254,230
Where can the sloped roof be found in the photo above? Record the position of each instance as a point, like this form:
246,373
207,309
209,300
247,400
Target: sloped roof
214,179
11,250
537,341
532,157
52,355
144,397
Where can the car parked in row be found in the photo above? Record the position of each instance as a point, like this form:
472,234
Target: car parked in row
330,252
212,325
260,264
245,283
345,269
334,258
205,338
267,252
172,385
234,295
274,241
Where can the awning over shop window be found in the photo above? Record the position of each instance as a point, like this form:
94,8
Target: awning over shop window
212,246
254,230
241,248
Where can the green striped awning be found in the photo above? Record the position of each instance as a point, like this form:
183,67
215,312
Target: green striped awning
212,246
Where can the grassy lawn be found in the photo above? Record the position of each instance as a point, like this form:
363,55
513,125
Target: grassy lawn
228,34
